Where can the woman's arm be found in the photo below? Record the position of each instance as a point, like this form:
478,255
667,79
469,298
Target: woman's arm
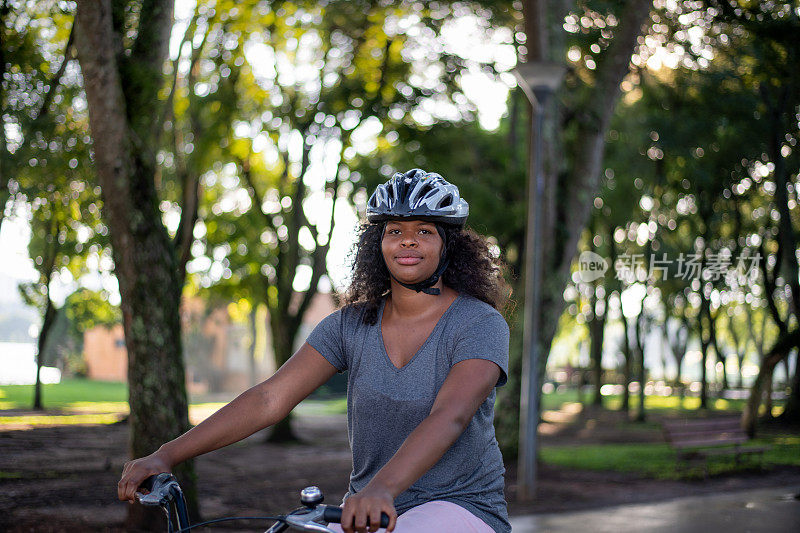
466,387
256,408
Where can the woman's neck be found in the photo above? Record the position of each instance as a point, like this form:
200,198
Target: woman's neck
408,303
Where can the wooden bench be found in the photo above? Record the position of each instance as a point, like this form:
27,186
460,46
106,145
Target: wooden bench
695,440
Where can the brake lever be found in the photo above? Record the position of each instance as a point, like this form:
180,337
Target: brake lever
308,519
162,491
301,524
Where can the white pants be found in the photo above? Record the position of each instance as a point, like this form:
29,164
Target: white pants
436,516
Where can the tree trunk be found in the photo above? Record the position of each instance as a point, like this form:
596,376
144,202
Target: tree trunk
120,92
779,114
741,350
47,322
769,388
640,333
283,335
712,325
628,374
597,326
704,329
253,346
704,373
48,318
777,353
761,387
679,351
288,307
791,412
597,334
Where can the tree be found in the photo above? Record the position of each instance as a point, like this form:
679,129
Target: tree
604,37
121,49
754,46
45,155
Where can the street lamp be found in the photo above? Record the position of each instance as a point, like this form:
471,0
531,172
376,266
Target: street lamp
539,80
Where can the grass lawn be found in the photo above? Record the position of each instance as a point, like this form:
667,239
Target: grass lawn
68,393
81,401
659,461
660,404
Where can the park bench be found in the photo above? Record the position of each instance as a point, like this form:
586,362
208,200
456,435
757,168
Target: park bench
695,440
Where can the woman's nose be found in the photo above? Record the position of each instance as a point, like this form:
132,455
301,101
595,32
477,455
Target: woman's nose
408,240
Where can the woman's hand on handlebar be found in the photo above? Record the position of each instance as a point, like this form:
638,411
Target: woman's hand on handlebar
136,471
366,507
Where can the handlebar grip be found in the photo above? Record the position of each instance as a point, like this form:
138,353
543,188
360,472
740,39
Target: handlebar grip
159,489
334,514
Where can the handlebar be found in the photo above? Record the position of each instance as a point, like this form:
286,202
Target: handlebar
160,488
165,492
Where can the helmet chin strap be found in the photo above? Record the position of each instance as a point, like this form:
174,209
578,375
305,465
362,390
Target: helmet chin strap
427,286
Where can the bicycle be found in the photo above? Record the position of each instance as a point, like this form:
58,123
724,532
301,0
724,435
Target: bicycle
165,492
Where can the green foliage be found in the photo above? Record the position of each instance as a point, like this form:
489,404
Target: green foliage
483,164
86,309
309,83
48,141
46,159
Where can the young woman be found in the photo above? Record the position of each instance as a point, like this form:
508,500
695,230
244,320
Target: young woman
425,347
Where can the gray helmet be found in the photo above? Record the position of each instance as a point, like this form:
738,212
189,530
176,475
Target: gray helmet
420,195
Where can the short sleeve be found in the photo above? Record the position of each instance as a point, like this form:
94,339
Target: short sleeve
484,338
328,339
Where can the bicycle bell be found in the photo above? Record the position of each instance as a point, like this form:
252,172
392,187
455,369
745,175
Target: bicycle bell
311,497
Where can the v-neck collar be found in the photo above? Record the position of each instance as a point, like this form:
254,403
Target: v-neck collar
424,344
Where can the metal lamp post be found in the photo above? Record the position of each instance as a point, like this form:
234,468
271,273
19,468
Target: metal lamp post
539,80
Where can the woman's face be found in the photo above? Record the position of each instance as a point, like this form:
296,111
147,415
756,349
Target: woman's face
411,249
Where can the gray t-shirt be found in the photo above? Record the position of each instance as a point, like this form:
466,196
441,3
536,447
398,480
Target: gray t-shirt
385,403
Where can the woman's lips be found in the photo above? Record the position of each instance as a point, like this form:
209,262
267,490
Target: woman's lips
408,260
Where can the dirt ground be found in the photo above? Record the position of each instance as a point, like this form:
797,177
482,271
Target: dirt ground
64,478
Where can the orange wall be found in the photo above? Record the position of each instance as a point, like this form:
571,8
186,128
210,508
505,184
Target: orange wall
107,358
105,353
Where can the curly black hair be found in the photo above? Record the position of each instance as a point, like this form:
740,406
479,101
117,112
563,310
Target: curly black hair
472,270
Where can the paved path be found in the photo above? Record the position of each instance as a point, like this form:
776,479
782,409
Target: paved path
773,510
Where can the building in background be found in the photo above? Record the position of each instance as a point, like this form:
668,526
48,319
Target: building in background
220,354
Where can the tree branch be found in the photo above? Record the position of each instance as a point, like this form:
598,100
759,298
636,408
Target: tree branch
769,286
321,251
189,215
612,68
257,198
141,72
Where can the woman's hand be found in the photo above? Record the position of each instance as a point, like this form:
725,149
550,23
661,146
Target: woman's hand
368,505
134,472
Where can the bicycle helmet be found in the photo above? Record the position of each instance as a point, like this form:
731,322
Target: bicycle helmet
421,195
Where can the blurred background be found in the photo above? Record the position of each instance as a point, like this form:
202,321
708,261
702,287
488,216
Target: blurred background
181,185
